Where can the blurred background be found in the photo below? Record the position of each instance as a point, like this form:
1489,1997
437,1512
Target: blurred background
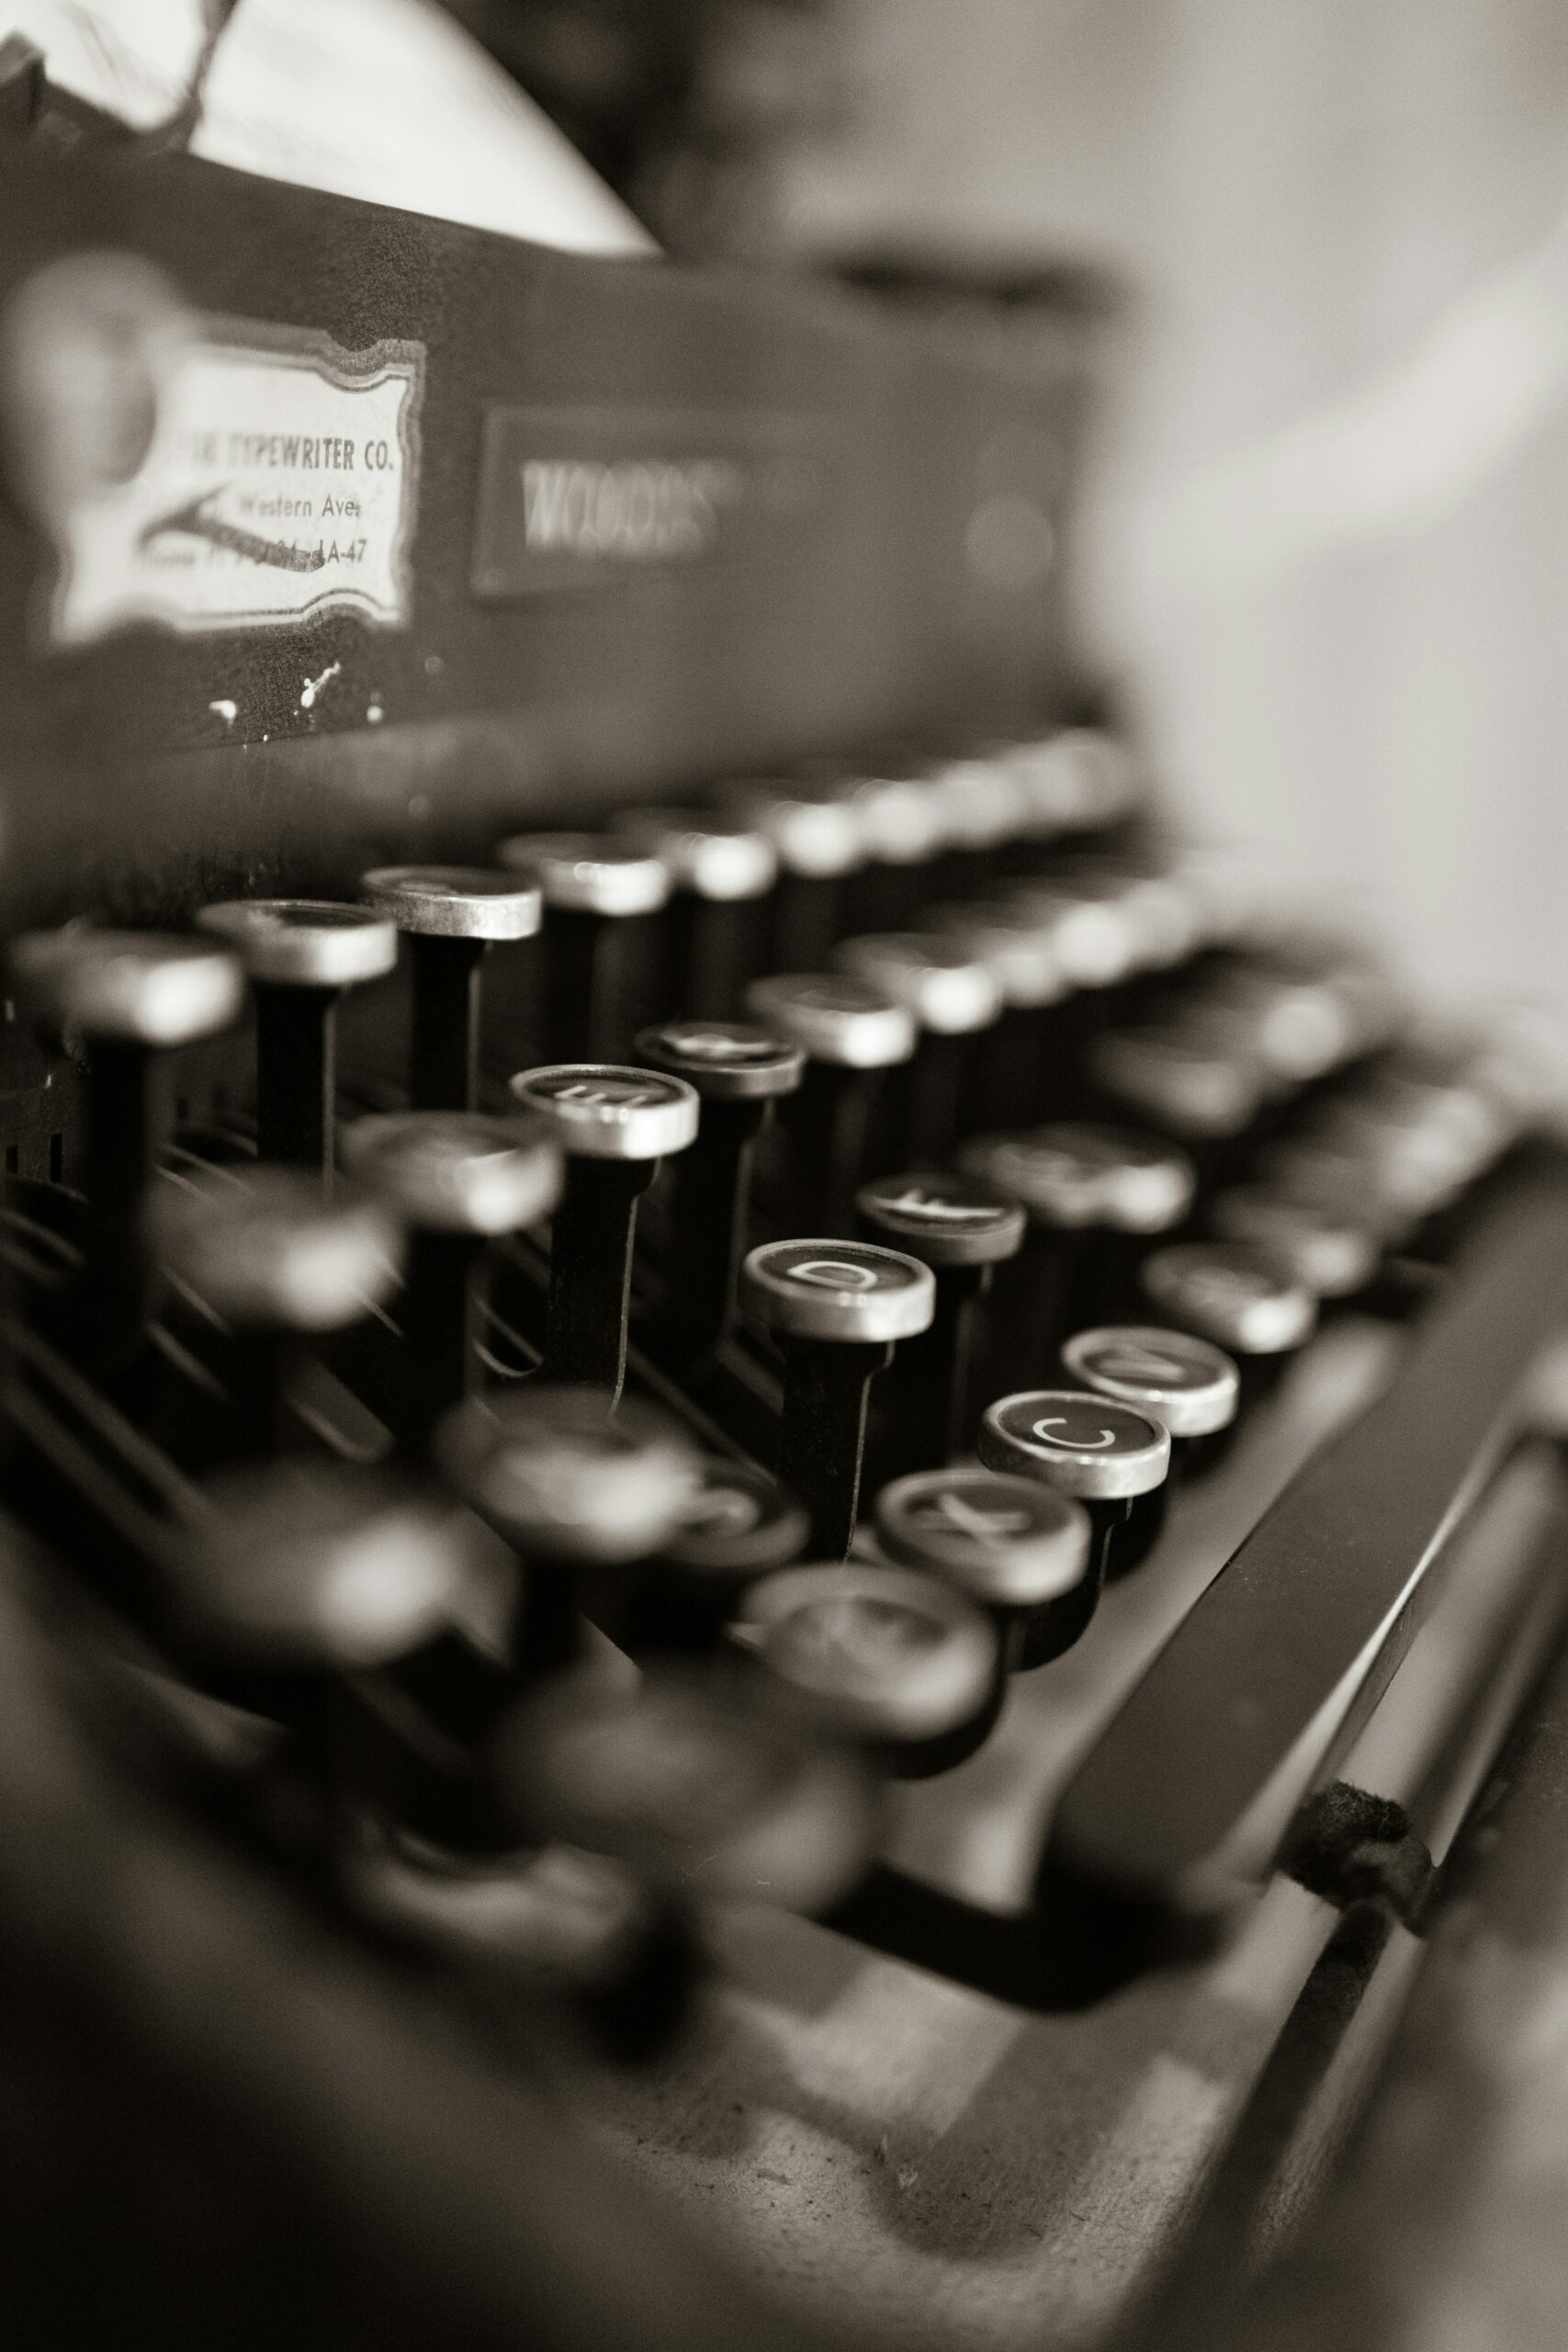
1327,538
1326,529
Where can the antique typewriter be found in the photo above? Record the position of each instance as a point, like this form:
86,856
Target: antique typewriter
781,1503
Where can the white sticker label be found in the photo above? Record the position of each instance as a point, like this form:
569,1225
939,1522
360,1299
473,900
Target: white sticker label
280,484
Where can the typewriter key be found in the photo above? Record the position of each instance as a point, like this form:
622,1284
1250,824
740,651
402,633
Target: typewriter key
736,1527
458,1181
1327,1253
1014,1546
548,1920
737,1071
133,999
279,1268
301,954
614,1123
984,805
901,825
1233,1293
852,1034
834,1309
720,871
952,997
1191,1385
594,885
901,1663
1008,1079
451,916
1111,1459
1201,1091
323,1568
1095,1195
961,1227
694,1786
818,842
574,1489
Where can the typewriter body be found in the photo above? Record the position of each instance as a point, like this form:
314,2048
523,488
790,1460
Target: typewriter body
762,1553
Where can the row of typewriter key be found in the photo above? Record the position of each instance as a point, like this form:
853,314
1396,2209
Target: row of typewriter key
1161,1274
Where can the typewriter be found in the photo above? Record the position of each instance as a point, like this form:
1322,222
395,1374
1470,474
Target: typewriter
783,1539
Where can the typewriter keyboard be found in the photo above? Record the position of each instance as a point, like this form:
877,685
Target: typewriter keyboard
851,1456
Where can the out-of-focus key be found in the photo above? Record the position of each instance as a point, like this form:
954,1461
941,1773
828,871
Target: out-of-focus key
818,839
898,1662
460,1181
550,1922
737,1527
301,954
721,869
852,1034
576,1492
834,1309
1237,1297
281,1268
1107,1456
953,997
133,999
1010,1073
451,917
1096,1198
322,1568
614,1123
738,1070
1328,1253
594,887
962,1228
1015,1547
696,1787
1197,1088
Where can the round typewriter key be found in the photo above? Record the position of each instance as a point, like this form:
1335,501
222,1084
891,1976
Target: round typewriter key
1010,1073
901,825
899,1663
694,1787
984,805
1173,1377
280,1267
1202,1092
324,1566
1112,1459
573,1489
460,1181
818,841
961,1227
614,1123
1233,1293
953,997
555,1920
301,954
1095,1196
1015,1547
451,916
853,1035
594,887
1328,1254
738,1069
1091,937
834,1309
719,869
133,999
737,1525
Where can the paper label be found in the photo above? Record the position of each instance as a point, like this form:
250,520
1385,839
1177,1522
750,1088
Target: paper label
281,483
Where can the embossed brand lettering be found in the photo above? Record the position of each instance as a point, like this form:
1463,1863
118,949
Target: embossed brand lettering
638,509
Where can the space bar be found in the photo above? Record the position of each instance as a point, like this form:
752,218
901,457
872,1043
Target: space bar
1189,1792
